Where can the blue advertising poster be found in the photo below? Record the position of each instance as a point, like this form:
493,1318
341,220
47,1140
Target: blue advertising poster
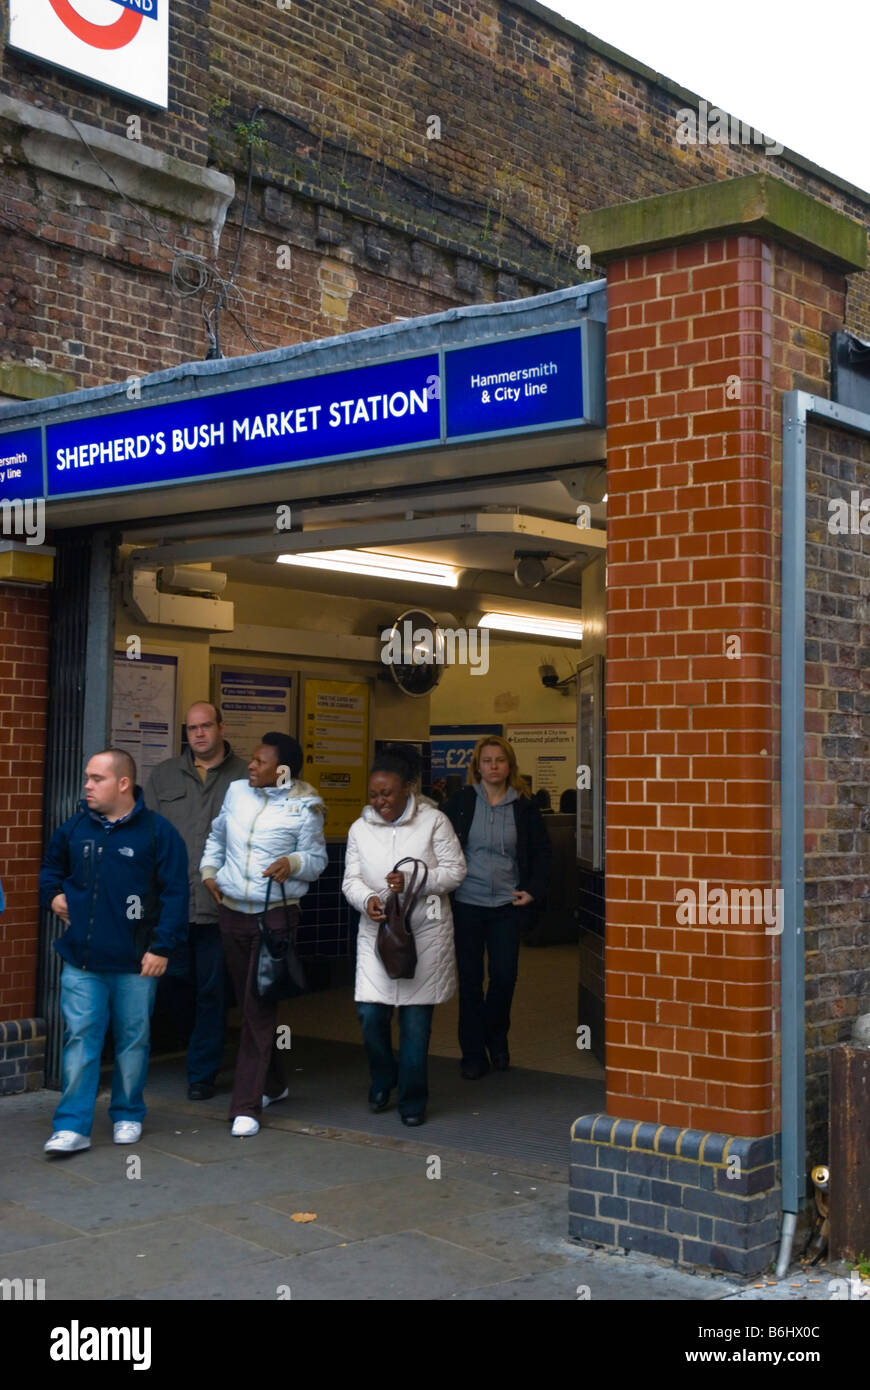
365,410
453,745
516,384
21,464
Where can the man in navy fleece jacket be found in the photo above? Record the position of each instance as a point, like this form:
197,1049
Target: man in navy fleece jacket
116,873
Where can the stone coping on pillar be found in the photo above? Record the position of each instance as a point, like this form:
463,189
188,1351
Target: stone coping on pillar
696,1198
755,204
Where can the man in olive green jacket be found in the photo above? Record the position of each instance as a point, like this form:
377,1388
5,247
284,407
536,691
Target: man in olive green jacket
189,792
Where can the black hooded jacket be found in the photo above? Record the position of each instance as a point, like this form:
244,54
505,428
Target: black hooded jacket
534,853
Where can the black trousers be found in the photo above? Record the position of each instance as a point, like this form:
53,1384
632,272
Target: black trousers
485,1019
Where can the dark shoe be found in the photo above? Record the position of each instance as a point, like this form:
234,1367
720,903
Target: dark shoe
411,1120
500,1060
473,1071
201,1090
378,1101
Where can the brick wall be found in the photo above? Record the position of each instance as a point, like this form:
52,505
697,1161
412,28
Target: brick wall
808,306
690,730
837,780
382,222
23,700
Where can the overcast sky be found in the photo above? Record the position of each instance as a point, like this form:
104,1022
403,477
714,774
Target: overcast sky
798,70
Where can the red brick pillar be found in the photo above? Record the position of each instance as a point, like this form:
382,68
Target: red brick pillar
691,684
23,704
683,1162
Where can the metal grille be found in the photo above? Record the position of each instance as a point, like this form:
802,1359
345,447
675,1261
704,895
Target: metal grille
78,701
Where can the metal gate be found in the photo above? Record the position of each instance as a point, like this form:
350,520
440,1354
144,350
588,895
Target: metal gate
79,682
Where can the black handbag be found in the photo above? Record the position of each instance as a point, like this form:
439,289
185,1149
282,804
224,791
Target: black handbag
395,942
279,973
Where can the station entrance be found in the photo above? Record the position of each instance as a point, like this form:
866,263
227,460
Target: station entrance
305,631
394,536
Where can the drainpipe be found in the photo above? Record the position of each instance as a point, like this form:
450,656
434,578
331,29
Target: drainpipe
793,1080
797,408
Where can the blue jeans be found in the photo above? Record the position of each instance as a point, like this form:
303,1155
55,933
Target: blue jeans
88,999
192,991
484,1021
411,1074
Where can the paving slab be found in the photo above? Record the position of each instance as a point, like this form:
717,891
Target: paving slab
594,1278
526,1239
124,1263
401,1266
271,1228
23,1229
364,1209
307,1160
99,1197
269,1280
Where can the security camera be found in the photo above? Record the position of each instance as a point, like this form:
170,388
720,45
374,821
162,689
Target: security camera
530,570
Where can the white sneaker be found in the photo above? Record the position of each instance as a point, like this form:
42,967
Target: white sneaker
126,1132
271,1100
244,1127
66,1141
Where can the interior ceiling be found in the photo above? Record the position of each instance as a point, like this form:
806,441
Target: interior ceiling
486,561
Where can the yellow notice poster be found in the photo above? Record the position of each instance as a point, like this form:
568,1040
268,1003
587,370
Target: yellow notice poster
335,741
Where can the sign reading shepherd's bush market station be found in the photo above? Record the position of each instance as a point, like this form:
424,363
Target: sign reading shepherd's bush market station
527,383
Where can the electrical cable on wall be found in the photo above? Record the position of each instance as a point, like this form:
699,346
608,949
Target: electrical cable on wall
190,274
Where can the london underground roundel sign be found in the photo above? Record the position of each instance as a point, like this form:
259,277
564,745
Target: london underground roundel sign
123,44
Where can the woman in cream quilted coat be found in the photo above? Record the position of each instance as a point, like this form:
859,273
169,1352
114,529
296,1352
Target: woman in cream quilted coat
395,824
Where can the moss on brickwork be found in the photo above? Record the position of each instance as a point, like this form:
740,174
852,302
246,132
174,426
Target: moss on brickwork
31,383
757,203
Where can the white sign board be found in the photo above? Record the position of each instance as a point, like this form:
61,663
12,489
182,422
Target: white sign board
547,754
254,703
143,710
123,44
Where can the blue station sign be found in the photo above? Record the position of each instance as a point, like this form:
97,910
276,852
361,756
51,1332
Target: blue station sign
518,385
21,464
339,414
529,382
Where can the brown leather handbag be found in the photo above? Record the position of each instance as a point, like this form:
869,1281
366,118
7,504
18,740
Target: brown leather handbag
395,943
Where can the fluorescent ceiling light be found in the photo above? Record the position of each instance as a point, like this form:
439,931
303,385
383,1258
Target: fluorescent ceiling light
368,562
538,627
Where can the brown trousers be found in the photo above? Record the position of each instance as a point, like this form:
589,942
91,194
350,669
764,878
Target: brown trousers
259,1069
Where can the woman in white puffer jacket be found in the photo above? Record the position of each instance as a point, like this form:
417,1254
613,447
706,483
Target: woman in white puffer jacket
270,827
396,824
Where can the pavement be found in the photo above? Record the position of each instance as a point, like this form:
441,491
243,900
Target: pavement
307,1211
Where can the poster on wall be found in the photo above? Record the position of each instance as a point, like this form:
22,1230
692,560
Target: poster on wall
122,44
335,743
143,709
547,754
452,747
254,703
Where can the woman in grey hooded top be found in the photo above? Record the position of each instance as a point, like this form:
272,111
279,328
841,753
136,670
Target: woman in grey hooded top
507,850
